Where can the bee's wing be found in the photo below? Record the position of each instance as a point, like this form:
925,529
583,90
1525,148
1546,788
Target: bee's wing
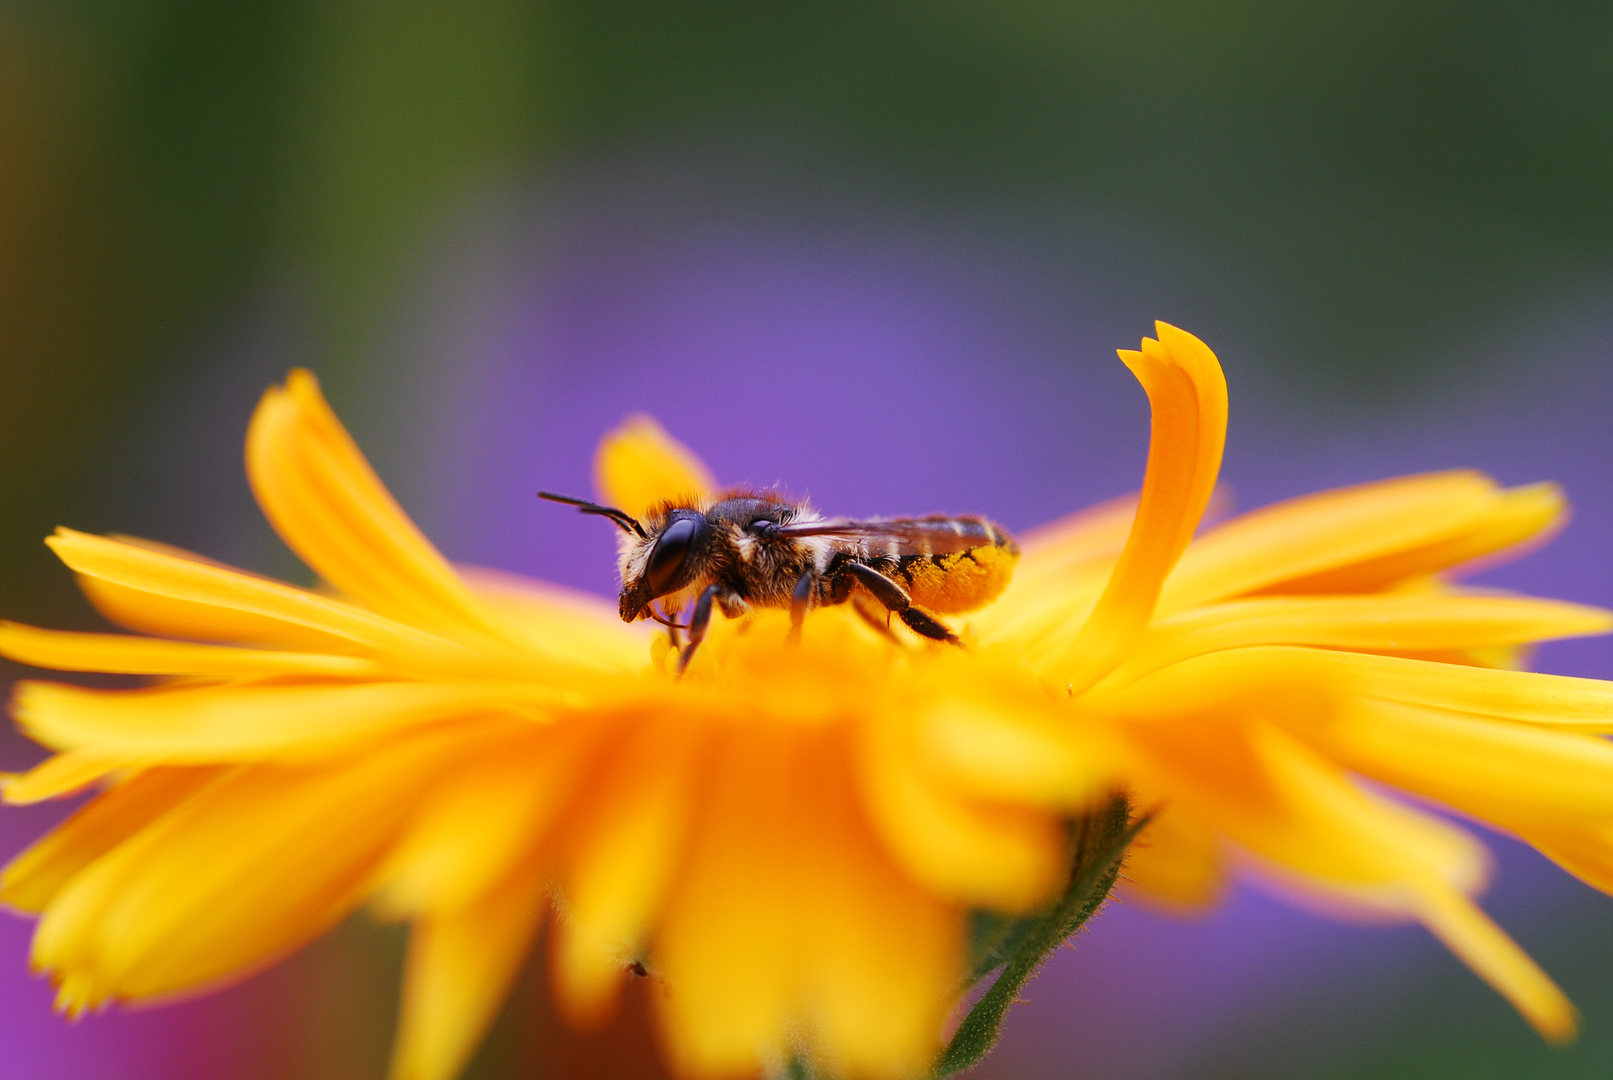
902,536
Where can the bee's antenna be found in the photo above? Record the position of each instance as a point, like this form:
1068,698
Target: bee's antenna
624,521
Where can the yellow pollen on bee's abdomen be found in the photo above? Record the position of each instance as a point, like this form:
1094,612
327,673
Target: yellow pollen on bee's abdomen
958,582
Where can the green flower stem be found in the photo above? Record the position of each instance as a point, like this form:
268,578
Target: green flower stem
1022,946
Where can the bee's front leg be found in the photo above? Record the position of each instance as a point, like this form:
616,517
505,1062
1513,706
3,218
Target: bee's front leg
800,598
699,619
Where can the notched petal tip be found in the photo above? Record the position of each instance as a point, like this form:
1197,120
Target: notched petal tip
63,539
302,382
300,388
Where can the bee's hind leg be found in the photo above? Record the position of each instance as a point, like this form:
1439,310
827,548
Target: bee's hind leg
699,619
896,601
875,615
924,624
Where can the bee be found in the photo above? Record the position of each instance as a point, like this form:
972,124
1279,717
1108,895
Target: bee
751,548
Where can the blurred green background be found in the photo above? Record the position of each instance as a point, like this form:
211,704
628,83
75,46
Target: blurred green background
1355,192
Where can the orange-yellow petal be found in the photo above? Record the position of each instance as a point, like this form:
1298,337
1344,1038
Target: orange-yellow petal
1176,863
461,964
1282,802
966,851
1289,807
32,879
623,852
199,725
572,627
1583,848
1008,751
1188,396
476,825
66,774
1062,570
638,465
122,654
1310,676
1516,520
1369,529
1507,773
325,501
256,605
879,954
1498,960
1398,622
792,930
229,879
726,939
136,607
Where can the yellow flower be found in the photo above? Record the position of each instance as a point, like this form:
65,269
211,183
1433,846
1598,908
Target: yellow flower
790,838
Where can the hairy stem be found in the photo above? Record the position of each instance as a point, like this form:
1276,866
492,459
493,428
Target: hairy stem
1023,946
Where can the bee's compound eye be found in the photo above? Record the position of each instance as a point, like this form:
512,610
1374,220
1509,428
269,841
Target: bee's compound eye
666,558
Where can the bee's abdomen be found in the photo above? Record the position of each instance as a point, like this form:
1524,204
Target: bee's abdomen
959,581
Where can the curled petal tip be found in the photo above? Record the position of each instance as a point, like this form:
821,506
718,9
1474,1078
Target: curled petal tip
1187,394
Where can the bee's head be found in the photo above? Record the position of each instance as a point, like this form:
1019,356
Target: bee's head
663,561
654,562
